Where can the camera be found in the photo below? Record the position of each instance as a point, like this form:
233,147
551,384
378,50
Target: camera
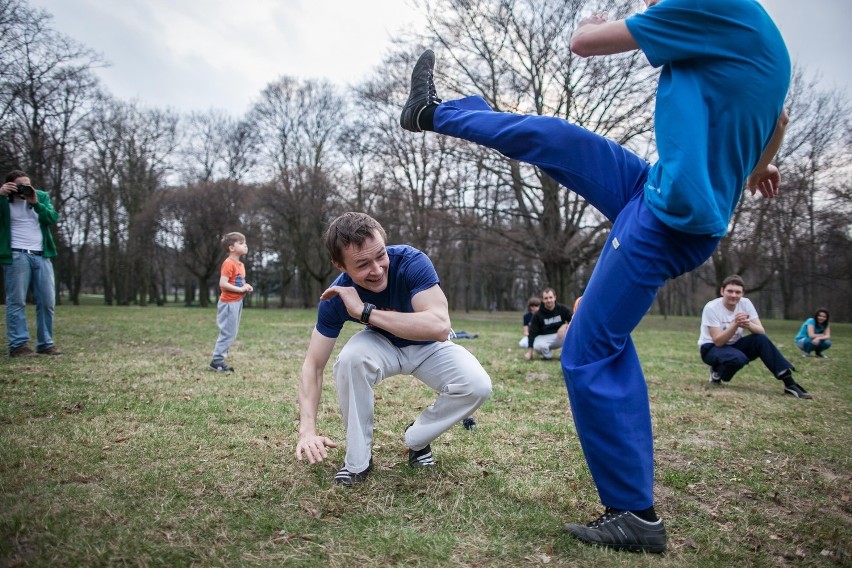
25,190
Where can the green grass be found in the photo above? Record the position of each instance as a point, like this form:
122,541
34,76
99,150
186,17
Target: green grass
127,451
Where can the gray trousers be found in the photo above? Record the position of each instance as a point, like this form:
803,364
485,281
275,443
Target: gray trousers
545,343
369,357
228,319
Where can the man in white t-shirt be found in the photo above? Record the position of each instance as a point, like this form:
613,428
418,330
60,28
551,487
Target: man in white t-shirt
725,347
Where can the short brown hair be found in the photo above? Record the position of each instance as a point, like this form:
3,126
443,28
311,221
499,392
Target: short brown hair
533,301
734,279
351,229
231,239
15,174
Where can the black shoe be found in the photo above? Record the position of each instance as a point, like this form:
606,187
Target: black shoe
715,378
422,457
622,530
220,367
820,355
422,92
796,390
348,479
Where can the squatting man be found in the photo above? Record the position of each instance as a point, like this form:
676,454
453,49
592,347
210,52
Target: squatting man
394,291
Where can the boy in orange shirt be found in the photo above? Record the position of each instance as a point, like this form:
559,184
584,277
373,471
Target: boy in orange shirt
232,282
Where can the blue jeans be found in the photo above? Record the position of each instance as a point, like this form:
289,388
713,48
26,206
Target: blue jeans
606,386
25,271
806,344
729,359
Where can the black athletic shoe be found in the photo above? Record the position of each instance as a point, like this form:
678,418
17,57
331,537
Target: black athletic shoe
715,378
422,457
622,530
422,92
220,367
795,389
348,479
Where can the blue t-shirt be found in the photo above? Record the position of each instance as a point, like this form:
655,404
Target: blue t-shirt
803,331
725,73
410,272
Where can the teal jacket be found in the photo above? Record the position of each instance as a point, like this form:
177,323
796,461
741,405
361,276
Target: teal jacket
47,216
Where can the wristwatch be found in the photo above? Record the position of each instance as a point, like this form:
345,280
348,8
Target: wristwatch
365,315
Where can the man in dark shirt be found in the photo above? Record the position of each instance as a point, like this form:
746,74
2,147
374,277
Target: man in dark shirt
548,326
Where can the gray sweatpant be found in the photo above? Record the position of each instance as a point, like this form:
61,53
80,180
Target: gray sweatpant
228,319
544,344
369,357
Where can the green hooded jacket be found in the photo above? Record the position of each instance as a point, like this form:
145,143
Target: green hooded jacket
47,216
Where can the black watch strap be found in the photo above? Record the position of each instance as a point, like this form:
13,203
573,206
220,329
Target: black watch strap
365,315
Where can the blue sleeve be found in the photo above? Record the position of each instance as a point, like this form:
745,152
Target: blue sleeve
672,30
331,315
420,274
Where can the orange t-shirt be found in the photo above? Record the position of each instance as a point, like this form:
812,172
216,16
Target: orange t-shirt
236,273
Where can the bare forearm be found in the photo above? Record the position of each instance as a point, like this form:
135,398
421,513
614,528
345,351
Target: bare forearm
430,325
774,143
309,398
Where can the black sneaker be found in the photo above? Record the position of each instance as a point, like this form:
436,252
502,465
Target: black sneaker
422,92
422,457
348,479
622,530
795,389
715,378
220,367
821,355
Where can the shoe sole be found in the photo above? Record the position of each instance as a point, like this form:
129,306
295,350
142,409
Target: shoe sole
426,59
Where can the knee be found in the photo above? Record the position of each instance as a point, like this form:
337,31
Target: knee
351,365
825,343
480,386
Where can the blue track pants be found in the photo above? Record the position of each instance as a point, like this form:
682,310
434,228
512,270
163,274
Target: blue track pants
606,386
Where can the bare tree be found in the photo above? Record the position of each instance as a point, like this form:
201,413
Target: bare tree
299,122
195,218
46,90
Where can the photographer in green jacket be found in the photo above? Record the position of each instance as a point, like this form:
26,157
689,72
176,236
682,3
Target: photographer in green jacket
26,247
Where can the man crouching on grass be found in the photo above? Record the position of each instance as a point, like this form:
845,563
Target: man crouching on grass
394,291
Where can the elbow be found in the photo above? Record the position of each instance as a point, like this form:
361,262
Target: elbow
784,119
443,333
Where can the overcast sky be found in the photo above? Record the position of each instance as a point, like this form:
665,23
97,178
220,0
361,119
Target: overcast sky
202,54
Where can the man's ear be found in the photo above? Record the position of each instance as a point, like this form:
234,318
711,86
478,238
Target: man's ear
338,266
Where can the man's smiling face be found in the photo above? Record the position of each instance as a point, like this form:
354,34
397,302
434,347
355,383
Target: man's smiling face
367,265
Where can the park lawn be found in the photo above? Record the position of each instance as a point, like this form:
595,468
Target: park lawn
128,451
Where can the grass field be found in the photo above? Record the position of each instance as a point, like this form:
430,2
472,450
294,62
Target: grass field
127,451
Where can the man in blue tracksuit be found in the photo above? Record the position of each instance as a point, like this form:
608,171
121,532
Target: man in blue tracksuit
719,122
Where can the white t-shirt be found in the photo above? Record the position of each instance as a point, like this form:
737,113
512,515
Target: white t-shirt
715,314
26,231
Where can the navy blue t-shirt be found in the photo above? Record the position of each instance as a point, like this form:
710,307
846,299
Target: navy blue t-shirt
725,73
410,272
